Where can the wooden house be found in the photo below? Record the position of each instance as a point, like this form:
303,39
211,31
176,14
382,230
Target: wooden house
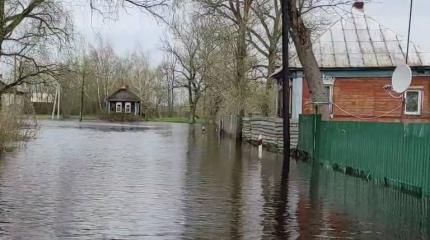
357,57
123,101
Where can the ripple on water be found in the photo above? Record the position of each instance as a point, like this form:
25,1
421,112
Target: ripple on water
168,181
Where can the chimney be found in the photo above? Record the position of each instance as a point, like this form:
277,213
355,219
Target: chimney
359,5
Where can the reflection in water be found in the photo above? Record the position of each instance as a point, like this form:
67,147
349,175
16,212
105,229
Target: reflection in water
170,181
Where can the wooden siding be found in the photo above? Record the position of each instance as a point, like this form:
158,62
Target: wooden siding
367,100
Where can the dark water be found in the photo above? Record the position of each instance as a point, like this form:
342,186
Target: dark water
168,181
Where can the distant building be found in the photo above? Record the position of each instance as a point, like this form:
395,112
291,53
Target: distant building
123,101
42,97
42,102
357,57
12,99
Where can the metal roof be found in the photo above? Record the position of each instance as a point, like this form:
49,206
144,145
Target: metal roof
357,40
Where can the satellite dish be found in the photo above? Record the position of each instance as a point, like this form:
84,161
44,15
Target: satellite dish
402,78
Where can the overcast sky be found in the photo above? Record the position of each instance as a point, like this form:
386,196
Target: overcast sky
136,30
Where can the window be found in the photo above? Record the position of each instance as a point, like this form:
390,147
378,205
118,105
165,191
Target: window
118,107
128,107
329,92
413,102
328,82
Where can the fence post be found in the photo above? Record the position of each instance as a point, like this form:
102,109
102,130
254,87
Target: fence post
316,128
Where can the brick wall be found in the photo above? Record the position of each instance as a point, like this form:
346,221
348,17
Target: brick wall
367,98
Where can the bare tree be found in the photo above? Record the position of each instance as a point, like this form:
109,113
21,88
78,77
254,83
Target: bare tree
108,7
237,12
264,35
104,63
28,32
168,68
192,49
143,78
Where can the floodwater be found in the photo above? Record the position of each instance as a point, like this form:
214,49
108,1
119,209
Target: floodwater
170,181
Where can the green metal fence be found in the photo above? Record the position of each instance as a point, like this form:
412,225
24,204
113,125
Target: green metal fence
397,154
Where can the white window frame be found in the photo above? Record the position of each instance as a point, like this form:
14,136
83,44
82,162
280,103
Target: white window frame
420,101
328,81
127,108
118,107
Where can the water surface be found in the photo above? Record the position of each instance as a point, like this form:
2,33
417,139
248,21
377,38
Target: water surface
170,181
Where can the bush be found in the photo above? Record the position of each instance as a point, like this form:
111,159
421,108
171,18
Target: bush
15,129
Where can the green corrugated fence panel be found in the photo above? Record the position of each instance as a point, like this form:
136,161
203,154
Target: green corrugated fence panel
306,133
396,152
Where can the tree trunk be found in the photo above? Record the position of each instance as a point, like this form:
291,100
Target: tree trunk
2,24
241,68
169,98
172,99
191,115
170,94
98,94
271,67
269,104
193,108
302,40
81,112
241,73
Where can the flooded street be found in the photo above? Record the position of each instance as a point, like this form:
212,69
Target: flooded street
170,181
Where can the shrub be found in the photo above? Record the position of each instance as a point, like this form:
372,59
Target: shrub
15,129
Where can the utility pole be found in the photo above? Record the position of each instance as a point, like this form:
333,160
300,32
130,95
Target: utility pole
82,96
285,87
407,55
54,103
409,31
